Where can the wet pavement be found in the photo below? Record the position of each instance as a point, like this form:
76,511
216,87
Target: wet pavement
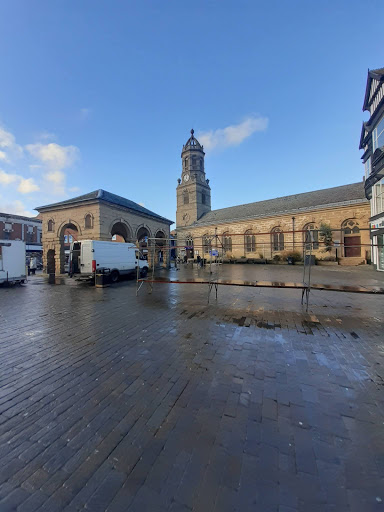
160,402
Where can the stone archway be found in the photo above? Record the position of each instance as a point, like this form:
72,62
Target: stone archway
120,232
142,236
68,233
160,247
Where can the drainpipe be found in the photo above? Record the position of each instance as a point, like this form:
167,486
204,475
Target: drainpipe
293,233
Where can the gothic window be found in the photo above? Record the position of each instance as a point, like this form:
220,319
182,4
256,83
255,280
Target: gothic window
277,239
249,241
189,242
50,225
206,243
311,236
227,242
350,227
203,199
88,221
193,162
186,163
186,197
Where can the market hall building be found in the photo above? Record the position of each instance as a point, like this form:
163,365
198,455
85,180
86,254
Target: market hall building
268,229
98,215
372,142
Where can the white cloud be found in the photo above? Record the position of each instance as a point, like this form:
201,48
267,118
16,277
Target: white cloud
26,186
16,207
3,156
233,135
73,189
55,159
53,155
46,136
8,141
7,179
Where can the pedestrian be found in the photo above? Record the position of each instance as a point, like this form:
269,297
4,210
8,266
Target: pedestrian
198,259
32,265
185,258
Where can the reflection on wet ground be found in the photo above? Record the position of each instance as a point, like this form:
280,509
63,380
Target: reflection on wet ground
114,402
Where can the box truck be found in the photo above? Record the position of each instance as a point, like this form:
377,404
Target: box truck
12,261
88,257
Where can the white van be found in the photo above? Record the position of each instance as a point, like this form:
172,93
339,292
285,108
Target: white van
12,261
88,257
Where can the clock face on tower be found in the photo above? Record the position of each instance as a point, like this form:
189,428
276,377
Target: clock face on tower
202,178
186,177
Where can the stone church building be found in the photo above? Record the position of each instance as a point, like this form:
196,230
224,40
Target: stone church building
272,227
99,215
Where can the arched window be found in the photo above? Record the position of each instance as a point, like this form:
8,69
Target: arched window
227,242
206,243
193,162
311,236
189,241
350,227
202,164
185,163
249,241
277,239
88,221
189,246
186,197
51,225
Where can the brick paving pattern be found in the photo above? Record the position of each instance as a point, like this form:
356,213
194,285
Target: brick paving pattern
110,402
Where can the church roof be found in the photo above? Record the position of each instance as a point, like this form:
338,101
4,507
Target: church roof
326,198
103,195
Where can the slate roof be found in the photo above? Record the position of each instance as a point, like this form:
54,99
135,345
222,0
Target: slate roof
336,196
21,217
108,197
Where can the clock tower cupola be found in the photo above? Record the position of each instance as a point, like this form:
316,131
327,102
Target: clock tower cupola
193,190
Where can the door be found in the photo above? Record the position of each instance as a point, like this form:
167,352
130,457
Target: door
352,247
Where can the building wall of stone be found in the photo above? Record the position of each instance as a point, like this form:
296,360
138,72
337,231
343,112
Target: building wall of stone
334,216
104,216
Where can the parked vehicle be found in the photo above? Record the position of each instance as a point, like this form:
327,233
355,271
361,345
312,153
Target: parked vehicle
12,261
88,257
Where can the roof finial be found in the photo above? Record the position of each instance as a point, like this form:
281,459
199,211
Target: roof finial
192,132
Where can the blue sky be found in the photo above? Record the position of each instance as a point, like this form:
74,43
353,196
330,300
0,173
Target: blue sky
103,94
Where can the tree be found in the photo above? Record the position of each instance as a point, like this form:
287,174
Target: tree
326,236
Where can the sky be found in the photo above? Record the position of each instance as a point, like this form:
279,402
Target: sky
103,94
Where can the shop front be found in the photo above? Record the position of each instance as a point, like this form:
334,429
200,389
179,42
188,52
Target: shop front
377,236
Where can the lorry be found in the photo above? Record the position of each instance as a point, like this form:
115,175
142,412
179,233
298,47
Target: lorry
12,262
89,257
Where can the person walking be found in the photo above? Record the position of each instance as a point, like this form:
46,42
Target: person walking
33,265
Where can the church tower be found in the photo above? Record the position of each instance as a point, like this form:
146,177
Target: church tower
193,190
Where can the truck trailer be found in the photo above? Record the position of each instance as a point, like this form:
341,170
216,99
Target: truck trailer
12,262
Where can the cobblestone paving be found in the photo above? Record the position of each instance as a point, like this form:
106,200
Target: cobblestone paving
164,403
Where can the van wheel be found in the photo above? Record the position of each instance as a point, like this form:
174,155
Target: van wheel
144,272
115,276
